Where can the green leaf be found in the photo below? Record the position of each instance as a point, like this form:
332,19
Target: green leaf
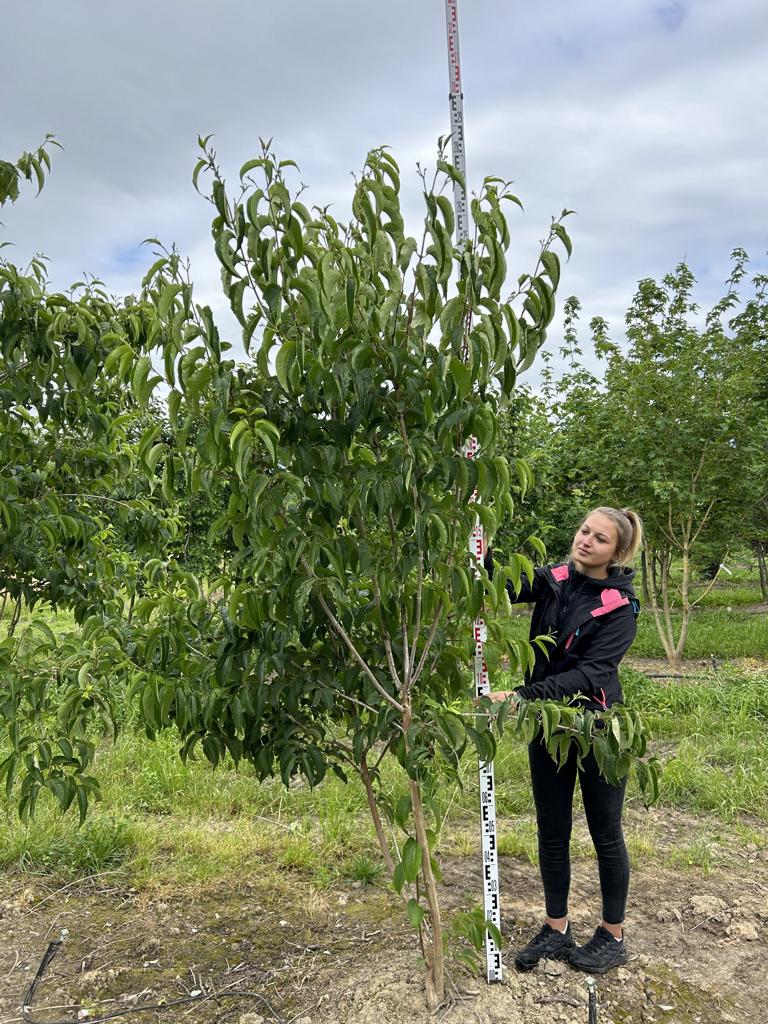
415,912
454,174
552,266
349,292
462,377
284,358
411,859
562,234
398,877
168,294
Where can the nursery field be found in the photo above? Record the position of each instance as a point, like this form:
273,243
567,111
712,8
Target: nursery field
238,746
189,880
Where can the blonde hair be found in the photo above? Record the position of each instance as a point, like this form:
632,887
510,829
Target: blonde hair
629,528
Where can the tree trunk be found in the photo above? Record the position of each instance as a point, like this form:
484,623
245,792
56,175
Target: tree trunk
644,576
763,570
434,948
684,588
365,775
16,615
667,641
665,566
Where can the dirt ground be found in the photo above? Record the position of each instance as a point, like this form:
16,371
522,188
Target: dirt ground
698,947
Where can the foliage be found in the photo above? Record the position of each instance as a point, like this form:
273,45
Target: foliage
617,738
53,689
343,620
76,515
28,164
545,429
711,731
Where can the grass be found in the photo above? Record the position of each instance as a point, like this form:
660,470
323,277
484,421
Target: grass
161,822
725,634
716,728
734,595
695,855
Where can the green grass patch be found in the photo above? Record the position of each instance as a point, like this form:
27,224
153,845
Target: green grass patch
733,595
712,732
697,855
520,840
710,632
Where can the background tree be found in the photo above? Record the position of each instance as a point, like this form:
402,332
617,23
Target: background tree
676,430
76,515
543,429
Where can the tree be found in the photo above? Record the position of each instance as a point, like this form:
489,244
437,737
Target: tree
346,630
76,516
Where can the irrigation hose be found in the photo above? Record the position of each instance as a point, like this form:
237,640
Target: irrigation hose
55,946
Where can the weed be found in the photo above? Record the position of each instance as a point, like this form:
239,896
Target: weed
364,868
694,855
520,841
641,849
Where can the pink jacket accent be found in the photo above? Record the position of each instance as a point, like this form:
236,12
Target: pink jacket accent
560,572
611,599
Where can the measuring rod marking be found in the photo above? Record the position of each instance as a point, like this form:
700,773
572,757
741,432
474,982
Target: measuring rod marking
491,906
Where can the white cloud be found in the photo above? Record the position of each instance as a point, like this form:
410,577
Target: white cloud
647,118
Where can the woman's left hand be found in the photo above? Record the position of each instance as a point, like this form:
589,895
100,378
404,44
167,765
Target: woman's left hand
498,696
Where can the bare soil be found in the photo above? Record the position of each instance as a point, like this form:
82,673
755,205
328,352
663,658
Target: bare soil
698,946
692,668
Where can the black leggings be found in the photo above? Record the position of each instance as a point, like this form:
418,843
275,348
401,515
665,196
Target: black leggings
553,794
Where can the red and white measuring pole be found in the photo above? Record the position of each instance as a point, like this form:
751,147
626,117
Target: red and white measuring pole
477,540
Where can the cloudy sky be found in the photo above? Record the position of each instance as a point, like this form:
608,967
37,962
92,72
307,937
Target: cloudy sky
647,117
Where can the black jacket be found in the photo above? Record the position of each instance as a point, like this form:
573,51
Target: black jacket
594,623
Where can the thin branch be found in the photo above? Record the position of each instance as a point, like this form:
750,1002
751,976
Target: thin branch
383,753
406,655
428,643
704,520
419,589
387,639
671,535
697,474
362,704
98,497
348,641
391,661
386,853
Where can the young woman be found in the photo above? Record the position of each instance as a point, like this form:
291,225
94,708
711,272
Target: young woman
589,605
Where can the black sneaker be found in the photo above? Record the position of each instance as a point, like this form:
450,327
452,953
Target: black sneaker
549,944
600,954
